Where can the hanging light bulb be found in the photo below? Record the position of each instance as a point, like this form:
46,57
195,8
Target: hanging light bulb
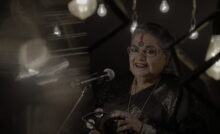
164,6
133,26
195,34
214,48
56,31
134,17
33,55
102,11
82,8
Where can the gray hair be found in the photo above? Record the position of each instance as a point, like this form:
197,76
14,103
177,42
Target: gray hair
157,31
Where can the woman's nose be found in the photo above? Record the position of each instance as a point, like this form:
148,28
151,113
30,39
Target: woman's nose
141,56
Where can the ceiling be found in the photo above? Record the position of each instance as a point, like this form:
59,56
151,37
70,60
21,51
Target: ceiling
46,14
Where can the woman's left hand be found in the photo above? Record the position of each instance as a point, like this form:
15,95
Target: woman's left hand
130,122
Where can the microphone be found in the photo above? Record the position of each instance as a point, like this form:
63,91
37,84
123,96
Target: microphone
109,75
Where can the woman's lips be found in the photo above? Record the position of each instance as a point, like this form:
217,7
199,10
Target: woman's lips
140,65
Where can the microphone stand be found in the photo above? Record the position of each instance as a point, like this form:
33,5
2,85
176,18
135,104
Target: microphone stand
74,108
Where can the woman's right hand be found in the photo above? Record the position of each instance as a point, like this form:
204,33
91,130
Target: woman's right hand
94,132
131,122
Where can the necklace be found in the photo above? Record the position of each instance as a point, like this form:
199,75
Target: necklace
146,101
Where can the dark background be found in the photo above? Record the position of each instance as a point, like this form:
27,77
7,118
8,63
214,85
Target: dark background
29,108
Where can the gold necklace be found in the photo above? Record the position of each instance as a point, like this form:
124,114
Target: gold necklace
146,101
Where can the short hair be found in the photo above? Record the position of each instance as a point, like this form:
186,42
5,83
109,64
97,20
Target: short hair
157,31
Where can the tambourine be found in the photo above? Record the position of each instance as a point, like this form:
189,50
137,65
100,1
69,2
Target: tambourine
102,122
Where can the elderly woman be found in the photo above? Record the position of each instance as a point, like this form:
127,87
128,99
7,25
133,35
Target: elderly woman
152,102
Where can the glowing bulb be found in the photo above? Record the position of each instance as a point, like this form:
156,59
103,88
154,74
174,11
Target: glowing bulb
213,49
194,35
56,31
82,8
81,1
133,26
102,11
32,71
164,6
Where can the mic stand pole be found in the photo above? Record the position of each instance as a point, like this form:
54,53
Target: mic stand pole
74,107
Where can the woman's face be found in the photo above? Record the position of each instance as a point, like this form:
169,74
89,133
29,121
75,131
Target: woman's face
146,58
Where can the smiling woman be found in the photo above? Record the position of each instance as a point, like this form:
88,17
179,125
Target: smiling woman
146,59
152,101
148,53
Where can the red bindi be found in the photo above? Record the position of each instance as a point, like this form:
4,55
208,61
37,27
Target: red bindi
141,42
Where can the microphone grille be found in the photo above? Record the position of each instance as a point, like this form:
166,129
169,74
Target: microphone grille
110,73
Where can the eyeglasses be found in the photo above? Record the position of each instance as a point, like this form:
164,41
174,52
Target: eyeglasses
150,52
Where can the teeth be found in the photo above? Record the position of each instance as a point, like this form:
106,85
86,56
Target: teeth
140,65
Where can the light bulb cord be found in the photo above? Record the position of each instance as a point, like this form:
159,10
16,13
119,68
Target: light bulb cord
134,9
193,18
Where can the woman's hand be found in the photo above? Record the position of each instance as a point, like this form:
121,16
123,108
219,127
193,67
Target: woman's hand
131,122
